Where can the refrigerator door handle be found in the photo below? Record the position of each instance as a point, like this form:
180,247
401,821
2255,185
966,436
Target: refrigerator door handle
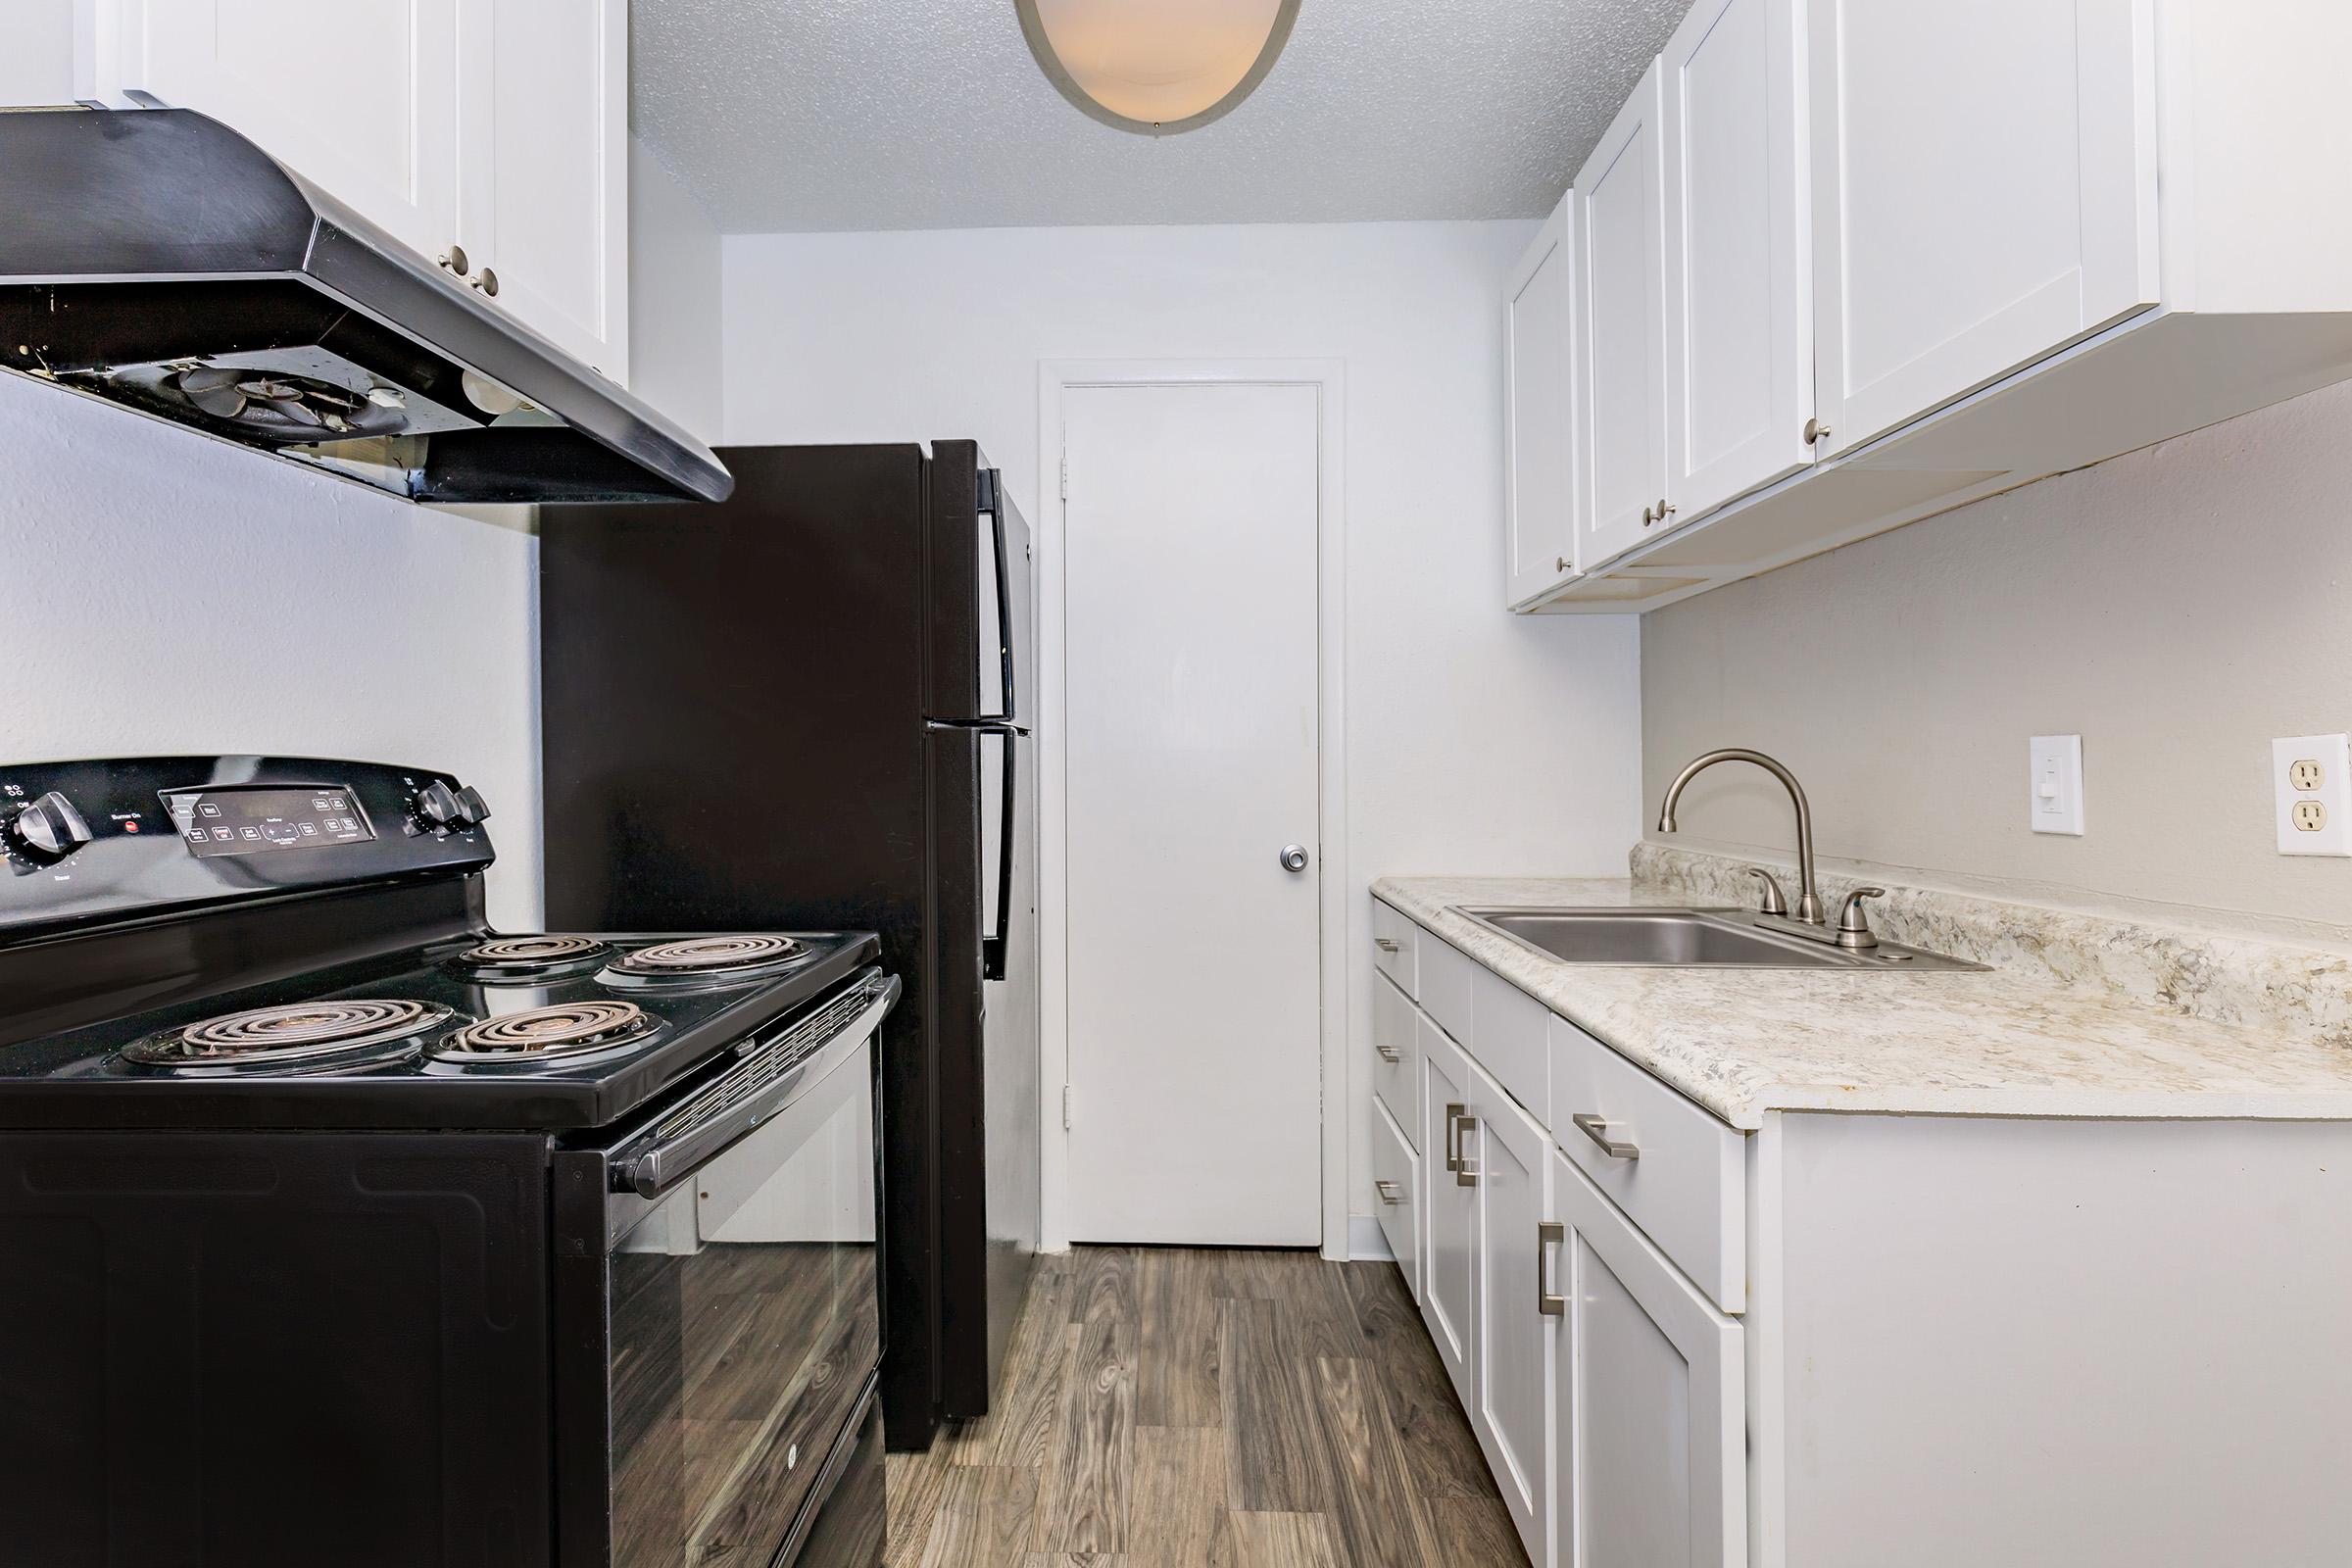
992,490
993,944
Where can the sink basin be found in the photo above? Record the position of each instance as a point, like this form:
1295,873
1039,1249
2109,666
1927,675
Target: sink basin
1690,939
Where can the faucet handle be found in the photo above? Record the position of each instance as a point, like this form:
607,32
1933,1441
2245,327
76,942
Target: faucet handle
1853,927
1774,901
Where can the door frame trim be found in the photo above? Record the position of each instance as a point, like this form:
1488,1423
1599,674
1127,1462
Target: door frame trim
1055,378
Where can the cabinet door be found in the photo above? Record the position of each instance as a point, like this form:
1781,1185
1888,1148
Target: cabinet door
1619,334
360,100
1739,284
1960,231
1539,442
1396,1185
1509,1159
542,169
1649,1446
1449,1214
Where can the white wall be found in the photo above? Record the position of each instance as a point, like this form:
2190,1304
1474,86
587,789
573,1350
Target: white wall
674,359
1477,742
163,592
36,52
2177,608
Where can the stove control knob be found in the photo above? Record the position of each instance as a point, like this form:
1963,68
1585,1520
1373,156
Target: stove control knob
436,806
49,828
472,810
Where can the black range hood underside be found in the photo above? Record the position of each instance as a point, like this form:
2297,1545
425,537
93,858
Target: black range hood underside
158,260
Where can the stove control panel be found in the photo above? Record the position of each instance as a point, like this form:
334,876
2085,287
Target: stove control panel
124,838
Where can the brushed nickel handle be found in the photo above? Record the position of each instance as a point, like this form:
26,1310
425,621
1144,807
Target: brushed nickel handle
487,282
1463,1175
1649,517
1388,1192
1385,944
1563,563
1665,509
1549,1232
1815,432
1453,1137
1388,1052
1597,1128
455,261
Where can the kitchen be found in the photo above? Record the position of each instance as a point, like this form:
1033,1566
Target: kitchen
1394,467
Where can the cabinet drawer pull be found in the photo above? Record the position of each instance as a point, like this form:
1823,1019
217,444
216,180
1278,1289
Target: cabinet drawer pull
1549,1232
1388,1192
1463,1175
1390,1052
1453,1137
1597,1128
1385,944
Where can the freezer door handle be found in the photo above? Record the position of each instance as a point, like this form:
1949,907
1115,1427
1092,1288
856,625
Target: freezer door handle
992,490
993,941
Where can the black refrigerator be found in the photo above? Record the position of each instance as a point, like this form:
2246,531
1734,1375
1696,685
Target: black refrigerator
807,708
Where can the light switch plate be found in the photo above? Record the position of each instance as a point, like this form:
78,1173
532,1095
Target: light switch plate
2055,784
2311,788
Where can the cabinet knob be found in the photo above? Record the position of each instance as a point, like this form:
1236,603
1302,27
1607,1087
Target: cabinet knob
1649,517
455,261
1815,430
1563,563
487,282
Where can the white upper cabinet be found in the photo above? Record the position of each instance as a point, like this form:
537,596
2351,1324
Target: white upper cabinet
1983,193
1619,333
1738,283
1539,516
360,100
543,180
487,135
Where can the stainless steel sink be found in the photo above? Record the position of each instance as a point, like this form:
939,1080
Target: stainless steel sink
1694,939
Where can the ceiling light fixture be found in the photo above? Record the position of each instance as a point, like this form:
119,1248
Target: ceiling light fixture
1157,67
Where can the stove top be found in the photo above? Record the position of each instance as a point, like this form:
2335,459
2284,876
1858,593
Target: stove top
473,1031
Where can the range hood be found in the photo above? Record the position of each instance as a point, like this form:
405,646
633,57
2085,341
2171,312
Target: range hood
157,259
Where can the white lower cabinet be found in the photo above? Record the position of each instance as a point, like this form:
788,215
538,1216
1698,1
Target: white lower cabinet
1508,1157
1448,1209
1396,1185
1646,1387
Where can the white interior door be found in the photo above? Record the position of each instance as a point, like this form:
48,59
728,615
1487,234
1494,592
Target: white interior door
1190,738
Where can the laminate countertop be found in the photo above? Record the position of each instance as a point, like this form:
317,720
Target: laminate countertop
2001,1042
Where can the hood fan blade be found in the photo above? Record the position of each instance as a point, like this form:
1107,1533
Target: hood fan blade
295,411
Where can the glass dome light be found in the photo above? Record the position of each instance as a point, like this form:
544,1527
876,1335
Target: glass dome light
1156,66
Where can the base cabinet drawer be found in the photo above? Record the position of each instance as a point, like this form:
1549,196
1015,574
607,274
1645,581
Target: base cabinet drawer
1396,1180
1396,1058
1446,981
1394,940
1678,1171
1649,1459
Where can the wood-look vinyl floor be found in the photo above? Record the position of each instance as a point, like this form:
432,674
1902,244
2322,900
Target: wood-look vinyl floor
1170,1407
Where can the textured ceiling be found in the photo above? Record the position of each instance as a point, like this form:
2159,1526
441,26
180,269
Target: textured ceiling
786,114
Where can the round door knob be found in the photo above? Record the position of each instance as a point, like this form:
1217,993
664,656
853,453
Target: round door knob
1294,857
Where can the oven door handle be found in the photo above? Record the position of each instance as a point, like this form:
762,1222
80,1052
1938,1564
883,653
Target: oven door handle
658,1164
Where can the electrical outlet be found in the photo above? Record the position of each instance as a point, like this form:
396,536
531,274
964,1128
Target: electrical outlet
2056,783
2311,785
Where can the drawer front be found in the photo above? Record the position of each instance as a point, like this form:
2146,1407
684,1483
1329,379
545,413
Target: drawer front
1393,939
1396,1056
1509,1035
1681,1176
1397,1178
1446,978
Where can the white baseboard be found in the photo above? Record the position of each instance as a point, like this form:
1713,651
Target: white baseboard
1367,1243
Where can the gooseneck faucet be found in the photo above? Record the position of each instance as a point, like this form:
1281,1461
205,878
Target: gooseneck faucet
1808,898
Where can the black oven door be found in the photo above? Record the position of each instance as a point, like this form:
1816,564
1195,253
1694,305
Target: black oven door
717,1313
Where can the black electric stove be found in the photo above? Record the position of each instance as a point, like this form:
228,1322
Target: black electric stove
335,1226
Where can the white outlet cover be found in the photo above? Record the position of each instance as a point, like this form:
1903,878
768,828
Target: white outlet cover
2054,784
2331,795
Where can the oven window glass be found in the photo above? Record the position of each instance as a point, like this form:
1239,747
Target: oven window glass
745,1324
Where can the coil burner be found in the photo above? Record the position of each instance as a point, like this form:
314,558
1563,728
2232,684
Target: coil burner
705,961
302,1037
527,959
568,1031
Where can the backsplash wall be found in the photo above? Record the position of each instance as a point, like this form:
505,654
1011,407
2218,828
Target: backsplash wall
2177,608
163,592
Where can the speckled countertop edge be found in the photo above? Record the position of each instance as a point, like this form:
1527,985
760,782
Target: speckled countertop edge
2011,1042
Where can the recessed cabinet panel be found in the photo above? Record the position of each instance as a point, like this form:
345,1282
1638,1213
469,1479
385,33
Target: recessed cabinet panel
1539,509
1514,1339
1449,1213
1983,192
1619,347
361,103
1739,294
